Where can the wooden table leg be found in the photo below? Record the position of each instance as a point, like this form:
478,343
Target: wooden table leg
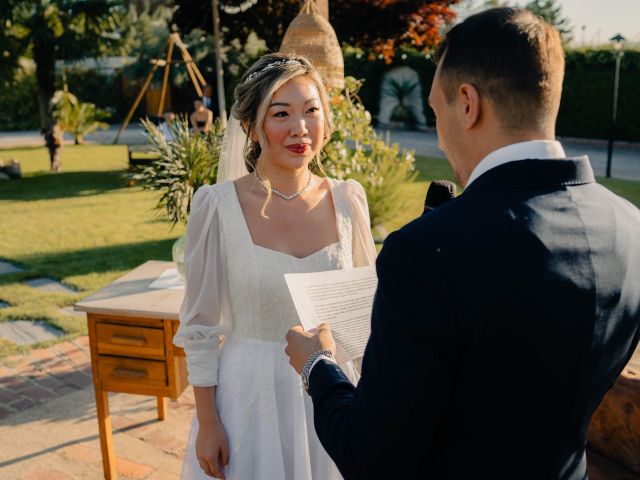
162,407
106,437
102,407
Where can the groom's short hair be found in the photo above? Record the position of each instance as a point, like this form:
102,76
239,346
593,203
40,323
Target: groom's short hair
514,58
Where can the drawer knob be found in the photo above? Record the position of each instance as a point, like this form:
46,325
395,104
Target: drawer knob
128,340
127,372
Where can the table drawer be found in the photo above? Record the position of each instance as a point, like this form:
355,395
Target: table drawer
132,371
129,341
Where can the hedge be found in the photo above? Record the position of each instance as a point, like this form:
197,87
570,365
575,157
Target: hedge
585,110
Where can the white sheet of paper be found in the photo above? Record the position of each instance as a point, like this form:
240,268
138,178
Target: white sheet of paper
341,298
169,279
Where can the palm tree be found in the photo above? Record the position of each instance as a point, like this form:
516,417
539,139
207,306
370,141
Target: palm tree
76,117
50,30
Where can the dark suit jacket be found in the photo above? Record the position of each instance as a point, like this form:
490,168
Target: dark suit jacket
500,321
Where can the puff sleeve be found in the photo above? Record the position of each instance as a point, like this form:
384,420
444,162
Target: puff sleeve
205,312
364,249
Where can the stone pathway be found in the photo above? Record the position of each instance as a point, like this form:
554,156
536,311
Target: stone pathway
72,312
27,332
43,374
48,285
6,267
48,426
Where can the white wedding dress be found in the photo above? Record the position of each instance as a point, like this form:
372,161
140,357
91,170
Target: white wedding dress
235,291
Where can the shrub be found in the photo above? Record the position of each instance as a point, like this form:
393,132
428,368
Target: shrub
105,91
587,94
356,151
186,163
19,104
76,117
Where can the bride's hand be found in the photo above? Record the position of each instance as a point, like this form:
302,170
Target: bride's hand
212,448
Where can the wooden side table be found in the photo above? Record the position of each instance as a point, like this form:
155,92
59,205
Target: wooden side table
131,327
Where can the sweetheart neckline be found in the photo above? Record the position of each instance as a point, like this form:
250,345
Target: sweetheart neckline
293,256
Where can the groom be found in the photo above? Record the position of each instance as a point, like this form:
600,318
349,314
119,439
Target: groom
502,317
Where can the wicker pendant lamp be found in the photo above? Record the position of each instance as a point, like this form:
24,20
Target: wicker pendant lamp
311,35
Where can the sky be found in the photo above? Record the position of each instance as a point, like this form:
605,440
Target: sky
602,19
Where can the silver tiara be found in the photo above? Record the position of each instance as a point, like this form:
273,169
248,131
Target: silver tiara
271,65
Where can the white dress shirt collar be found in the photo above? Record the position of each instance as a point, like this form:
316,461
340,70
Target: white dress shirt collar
534,149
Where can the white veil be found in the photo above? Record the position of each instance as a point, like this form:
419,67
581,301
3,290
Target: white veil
231,164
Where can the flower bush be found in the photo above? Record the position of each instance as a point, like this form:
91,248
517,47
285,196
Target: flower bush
356,151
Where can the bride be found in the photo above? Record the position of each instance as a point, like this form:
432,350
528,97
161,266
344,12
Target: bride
268,215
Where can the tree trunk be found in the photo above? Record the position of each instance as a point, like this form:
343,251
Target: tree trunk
44,57
321,5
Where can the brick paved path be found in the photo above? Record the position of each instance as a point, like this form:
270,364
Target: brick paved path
48,426
43,374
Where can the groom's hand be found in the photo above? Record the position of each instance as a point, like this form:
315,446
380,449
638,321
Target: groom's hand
301,345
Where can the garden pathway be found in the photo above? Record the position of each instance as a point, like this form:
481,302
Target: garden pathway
48,426
625,164
6,268
48,285
26,332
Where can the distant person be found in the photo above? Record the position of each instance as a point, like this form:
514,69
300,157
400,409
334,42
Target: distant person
201,118
11,170
53,139
207,97
165,127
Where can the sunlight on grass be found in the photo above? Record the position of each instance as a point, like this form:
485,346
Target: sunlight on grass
86,227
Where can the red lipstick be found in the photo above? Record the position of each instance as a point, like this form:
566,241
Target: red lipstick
298,148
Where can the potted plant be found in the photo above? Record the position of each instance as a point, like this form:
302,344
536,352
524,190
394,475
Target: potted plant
400,90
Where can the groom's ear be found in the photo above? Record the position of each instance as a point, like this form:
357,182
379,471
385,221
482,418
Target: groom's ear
469,104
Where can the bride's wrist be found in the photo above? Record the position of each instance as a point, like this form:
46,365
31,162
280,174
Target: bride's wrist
210,421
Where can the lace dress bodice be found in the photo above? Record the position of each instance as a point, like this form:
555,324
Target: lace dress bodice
234,287
277,311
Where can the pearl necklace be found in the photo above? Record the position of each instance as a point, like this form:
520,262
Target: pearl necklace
278,192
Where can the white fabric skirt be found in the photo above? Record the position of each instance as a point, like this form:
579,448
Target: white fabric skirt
267,416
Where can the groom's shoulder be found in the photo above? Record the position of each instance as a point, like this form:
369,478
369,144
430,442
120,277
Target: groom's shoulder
443,220
422,235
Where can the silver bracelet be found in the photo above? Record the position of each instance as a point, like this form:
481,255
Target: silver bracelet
307,366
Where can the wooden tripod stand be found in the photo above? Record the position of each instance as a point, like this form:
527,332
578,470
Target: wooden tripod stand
194,74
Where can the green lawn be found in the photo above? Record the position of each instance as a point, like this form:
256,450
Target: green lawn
437,168
86,227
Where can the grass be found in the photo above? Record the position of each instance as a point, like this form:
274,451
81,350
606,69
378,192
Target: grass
429,169
87,226
438,168
84,227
